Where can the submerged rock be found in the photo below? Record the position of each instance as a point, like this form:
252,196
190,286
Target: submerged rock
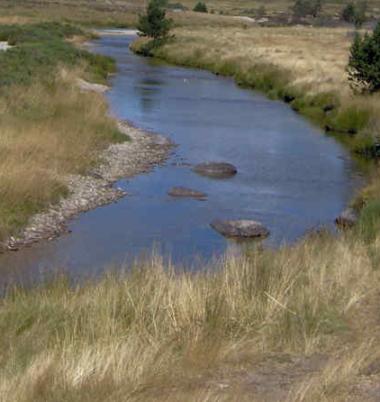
216,169
240,229
347,218
186,193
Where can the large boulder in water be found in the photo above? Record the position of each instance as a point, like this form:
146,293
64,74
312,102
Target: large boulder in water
240,229
347,218
215,169
183,192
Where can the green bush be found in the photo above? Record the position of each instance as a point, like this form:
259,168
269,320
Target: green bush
154,22
355,13
200,7
364,63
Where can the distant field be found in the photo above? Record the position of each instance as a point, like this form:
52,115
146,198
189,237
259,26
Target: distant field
124,12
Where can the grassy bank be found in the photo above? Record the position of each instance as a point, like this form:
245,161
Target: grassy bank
48,127
303,66
306,316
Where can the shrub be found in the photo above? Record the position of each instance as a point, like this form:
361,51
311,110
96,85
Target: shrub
355,13
348,12
364,63
154,23
200,7
304,8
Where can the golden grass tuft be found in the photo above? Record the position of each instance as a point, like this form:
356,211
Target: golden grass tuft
46,132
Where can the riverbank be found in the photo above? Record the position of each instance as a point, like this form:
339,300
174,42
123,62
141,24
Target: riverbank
61,151
302,66
140,154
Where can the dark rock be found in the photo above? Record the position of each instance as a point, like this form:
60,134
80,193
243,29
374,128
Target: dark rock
186,193
347,218
328,108
288,98
350,131
215,169
240,229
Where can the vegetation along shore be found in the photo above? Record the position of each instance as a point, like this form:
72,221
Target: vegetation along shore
297,323
56,133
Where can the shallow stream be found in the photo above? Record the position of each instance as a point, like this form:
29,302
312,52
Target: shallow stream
291,177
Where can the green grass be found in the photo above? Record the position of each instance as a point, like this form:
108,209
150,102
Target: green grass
40,48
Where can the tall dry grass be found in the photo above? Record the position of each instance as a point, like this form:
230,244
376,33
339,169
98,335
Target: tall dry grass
46,131
155,334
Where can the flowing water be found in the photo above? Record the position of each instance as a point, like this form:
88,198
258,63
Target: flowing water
291,177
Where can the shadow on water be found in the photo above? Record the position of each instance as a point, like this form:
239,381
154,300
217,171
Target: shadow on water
290,177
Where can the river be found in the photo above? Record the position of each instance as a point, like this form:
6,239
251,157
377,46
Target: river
291,177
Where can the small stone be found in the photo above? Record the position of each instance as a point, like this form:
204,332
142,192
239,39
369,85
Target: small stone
186,193
347,219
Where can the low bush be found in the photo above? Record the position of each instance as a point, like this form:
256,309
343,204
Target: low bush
200,7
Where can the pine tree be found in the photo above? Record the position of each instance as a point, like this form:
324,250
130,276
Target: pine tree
154,23
364,63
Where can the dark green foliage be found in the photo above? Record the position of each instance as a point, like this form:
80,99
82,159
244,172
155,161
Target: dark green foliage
39,49
305,8
200,7
355,13
364,63
154,23
348,12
